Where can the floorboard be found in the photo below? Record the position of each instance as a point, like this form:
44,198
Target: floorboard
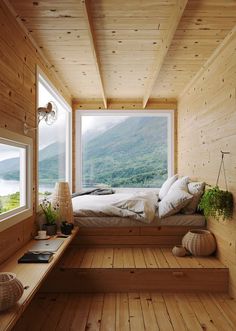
138,257
129,311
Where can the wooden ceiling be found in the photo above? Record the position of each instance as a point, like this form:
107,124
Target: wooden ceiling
127,49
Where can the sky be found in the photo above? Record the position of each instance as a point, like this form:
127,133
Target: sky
49,134
8,152
100,123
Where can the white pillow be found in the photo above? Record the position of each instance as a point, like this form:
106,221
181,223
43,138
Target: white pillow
197,190
180,184
176,198
166,186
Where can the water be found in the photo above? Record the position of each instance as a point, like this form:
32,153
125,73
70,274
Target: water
12,186
9,186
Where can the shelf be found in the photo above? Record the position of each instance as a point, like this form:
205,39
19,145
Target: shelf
32,276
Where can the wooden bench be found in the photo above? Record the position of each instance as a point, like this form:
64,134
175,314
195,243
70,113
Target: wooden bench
31,276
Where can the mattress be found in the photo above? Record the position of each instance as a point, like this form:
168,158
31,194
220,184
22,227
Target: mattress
109,221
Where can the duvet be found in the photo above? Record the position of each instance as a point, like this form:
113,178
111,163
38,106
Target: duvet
139,206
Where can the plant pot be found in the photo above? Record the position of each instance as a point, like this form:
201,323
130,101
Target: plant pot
67,228
11,290
50,228
199,242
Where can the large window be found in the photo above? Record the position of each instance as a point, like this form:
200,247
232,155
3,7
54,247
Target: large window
15,176
54,141
124,150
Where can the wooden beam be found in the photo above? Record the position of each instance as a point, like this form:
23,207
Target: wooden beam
118,104
165,44
89,22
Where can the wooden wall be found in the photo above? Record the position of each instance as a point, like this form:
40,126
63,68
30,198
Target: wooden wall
18,60
207,125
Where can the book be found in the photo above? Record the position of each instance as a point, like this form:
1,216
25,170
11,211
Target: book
31,257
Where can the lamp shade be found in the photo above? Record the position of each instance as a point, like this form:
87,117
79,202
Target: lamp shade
62,200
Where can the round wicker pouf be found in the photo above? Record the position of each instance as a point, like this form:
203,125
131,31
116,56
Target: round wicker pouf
199,242
11,290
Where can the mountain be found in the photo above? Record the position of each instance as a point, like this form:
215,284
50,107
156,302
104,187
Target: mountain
9,165
50,166
131,154
51,150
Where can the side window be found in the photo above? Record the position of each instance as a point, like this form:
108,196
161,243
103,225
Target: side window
53,141
15,175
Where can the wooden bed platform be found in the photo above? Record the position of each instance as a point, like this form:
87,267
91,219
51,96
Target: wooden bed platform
161,236
122,269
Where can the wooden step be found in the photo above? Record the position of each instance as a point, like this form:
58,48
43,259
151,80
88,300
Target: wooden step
158,236
136,269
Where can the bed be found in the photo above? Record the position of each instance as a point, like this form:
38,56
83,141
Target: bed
95,211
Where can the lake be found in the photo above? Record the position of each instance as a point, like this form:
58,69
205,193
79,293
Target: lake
12,186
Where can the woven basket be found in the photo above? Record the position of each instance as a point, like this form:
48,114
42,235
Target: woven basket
199,242
62,198
11,290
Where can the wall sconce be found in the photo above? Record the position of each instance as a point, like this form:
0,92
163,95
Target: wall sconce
48,114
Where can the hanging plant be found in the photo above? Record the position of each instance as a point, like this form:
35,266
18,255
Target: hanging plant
217,203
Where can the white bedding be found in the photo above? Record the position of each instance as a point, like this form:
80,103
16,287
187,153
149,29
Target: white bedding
102,210
141,207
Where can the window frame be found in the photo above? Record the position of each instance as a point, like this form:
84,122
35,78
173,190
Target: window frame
112,112
19,214
43,79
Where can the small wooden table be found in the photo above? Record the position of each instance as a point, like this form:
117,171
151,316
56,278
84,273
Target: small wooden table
31,275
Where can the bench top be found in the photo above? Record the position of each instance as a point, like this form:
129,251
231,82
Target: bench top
31,275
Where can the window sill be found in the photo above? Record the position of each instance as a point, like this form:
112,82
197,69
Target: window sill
14,219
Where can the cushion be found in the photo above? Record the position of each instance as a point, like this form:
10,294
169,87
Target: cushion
180,184
197,190
176,199
166,186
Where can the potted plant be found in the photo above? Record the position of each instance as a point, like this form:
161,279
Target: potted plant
217,203
66,227
51,215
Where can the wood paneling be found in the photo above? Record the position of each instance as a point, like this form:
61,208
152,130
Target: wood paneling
203,26
18,60
131,311
166,39
207,117
130,39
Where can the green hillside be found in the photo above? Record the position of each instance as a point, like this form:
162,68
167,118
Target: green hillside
50,167
131,154
8,166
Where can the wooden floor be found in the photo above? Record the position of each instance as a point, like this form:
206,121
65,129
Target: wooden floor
130,311
134,258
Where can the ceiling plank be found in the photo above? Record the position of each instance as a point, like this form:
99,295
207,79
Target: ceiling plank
89,22
167,37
